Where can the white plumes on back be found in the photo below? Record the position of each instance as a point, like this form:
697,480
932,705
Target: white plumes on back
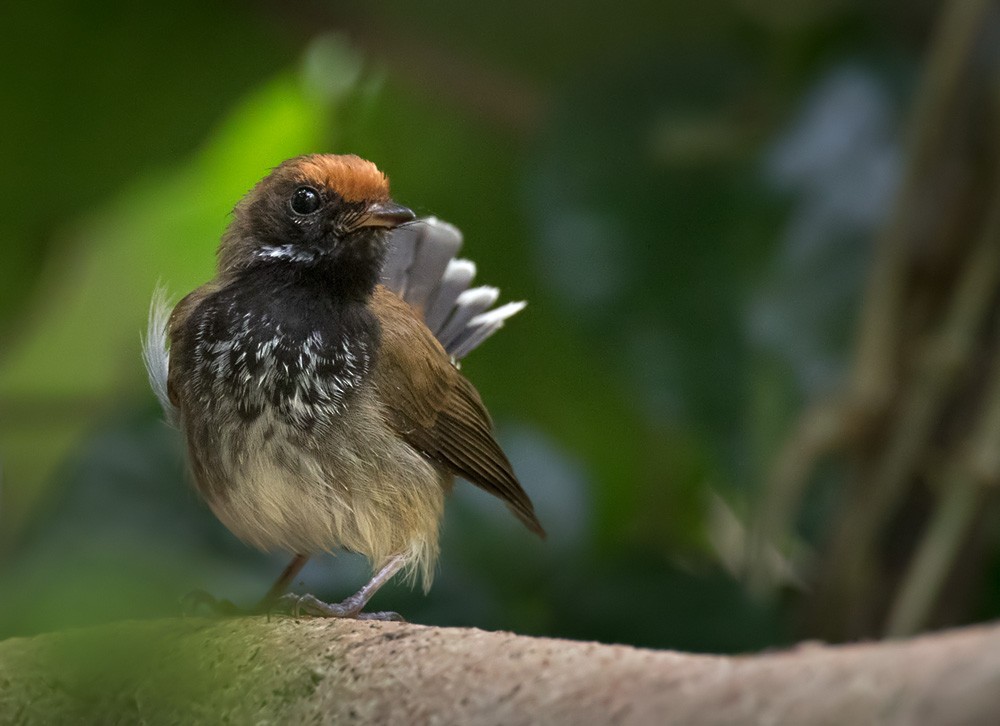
155,352
421,268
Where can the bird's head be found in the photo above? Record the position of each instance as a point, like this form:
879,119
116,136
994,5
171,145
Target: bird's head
319,211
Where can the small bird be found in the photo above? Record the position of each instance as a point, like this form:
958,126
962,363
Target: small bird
316,377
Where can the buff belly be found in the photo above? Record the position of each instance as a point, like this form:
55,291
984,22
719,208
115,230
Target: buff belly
360,489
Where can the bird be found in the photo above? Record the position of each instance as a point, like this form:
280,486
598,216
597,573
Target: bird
316,378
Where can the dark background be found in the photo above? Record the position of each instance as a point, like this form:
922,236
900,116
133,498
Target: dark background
690,195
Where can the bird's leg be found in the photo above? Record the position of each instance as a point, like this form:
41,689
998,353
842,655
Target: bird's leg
199,600
283,581
352,606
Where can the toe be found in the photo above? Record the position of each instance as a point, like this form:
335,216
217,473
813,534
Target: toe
384,615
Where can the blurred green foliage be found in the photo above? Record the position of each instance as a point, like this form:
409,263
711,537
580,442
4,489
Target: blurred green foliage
615,168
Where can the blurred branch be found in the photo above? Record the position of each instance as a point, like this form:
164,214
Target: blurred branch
919,333
830,424
819,431
877,360
943,361
940,546
253,670
960,491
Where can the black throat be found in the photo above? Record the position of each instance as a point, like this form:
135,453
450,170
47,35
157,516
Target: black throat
346,266
331,299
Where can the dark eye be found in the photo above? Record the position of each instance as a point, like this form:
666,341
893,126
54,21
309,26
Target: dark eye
305,200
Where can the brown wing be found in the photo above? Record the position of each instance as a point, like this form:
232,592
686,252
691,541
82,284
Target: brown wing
436,410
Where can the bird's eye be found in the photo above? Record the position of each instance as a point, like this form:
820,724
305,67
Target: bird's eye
305,200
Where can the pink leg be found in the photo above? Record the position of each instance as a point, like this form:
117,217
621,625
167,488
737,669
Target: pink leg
352,606
282,583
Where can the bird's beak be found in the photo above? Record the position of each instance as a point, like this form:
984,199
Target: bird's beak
386,214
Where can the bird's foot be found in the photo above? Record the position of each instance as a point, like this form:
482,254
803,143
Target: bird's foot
311,605
199,602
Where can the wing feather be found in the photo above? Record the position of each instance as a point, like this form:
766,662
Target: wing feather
436,410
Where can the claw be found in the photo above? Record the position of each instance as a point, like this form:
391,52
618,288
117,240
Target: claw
312,606
384,616
290,604
198,600
317,608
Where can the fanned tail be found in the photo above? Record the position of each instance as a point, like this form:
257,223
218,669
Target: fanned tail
422,269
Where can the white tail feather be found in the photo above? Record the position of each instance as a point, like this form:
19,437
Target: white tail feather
421,268
483,326
456,280
468,305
